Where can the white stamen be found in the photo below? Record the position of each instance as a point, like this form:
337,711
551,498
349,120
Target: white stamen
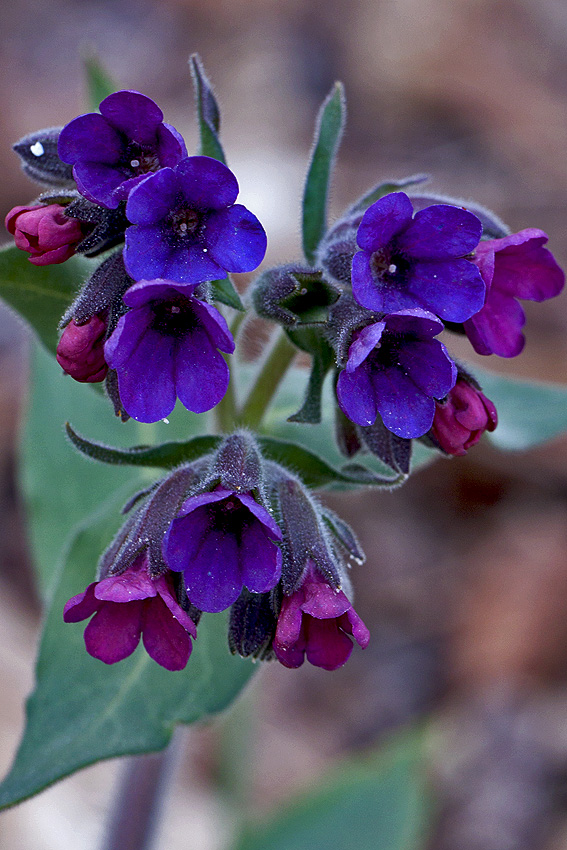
134,163
183,227
175,309
37,149
392,268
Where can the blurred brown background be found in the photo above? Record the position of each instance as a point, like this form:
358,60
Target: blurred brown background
465,587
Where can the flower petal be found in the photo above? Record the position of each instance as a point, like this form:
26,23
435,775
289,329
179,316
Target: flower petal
147,251
206,183
213,578
114,631
429,366
201,374
146,382
153,199
89,138
453,289
327,646
81,606
165,639
524,268
497,328
134,114
355,394
404,409
236,239
440,232
384,220
260,560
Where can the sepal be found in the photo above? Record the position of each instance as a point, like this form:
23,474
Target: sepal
40,160
252,625
108,226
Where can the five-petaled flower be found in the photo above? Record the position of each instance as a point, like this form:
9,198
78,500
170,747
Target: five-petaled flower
516,266
113,151
45,232
223,541
187,227
410,261
396,369
129,606
462,418
316,621
166,346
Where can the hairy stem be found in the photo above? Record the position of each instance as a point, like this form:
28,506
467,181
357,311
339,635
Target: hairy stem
267,382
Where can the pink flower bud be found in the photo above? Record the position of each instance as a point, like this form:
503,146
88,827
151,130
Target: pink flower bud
44,231
462,418
80,352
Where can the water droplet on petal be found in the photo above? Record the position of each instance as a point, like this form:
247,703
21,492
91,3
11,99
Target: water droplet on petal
37,149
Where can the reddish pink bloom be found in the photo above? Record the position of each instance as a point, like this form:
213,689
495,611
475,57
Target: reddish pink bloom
316,621
48,235
129,606
80,351
461,420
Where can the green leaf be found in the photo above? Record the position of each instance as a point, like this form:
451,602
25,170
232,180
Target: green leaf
385,188
207,111
224,291
82,710
529,413
60,487
377,802
41,294
328,132
99,82
322,359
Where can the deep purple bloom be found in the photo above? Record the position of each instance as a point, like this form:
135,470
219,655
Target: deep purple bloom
166,346
462,418
80,351
45,232
129,606
223,541
316,621
112,152
516,266
417,261
186,226
396,369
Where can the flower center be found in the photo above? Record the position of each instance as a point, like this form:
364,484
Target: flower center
387,265
174,317
140,161
184,222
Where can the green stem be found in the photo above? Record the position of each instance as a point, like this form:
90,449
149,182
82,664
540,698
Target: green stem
225,411
267,382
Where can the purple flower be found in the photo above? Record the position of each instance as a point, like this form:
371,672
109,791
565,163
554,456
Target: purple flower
410,262
129,606
166,347
316,620
45,232
80,351
462,418
516,266
112,152
396,369
186,226
223,541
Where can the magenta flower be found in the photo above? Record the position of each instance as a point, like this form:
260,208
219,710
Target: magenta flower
80,351
462,418
516,266
112,152
223,541
129,606
165,347
410,261
187,227
396,369
316,621
45,232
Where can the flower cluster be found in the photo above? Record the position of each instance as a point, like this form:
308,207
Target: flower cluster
232,531
148,319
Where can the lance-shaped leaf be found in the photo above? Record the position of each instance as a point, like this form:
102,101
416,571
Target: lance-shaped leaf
313,470
328,132
99,82
40,160
224,291
207,111
82,710
40,294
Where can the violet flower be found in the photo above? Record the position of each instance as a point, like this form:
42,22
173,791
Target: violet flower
80,351
417,261
113,151
166,346
45,232
462,418
186,226
223,541
516,266
316,621
396,369
129,606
